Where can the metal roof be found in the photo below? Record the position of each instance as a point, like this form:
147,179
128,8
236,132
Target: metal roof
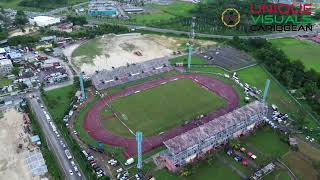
199,134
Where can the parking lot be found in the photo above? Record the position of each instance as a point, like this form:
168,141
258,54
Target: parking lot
227,57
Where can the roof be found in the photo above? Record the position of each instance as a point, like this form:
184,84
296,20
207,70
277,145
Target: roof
2,50
14,55
48,38
199,134
35,138
5,62
44,18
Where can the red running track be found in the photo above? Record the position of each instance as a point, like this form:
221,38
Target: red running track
93,126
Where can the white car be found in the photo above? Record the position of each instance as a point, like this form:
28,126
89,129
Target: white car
79,174
75,132
119,170
308,137
72,163
312,140
71,172
76,169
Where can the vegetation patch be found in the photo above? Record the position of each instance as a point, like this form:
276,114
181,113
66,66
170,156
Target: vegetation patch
4,82
256,76
268,142
300,166
196,60
305,51
86,52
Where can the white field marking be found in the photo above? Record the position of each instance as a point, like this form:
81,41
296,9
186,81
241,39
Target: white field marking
134,74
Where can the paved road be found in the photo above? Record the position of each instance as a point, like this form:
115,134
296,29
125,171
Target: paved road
54,141
267,36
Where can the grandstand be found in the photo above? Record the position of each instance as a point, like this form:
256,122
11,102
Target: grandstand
196,142
109,78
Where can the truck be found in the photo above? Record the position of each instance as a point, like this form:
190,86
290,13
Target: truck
68,154
129,161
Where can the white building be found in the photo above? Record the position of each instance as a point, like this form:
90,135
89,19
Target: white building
5,67
43,21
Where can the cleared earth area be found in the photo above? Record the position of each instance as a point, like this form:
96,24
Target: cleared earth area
158,109
116,50
111,50
12,158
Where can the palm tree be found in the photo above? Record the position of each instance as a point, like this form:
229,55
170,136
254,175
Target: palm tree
235,144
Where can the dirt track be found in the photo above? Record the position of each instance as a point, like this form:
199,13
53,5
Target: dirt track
93,126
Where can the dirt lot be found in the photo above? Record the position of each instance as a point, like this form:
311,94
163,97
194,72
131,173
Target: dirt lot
12,164
178,43
116,50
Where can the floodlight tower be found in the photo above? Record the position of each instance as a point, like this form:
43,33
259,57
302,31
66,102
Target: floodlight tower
83,94
191,41
266,89
139,151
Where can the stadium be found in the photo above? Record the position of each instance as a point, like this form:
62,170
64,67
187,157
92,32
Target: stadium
161,109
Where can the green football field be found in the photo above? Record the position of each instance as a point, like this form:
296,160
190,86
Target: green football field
307,52
161,108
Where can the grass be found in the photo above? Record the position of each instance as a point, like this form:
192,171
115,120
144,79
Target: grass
58,101
140,81
306,51
257,76
277,174
308,150
216,171
79,122
195,60
209,70
4,82
164,107
164,12
14,4
10,3
300,167
267,141
247,170
87,52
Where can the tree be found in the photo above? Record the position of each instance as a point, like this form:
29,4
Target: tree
185,171
235,144
77,20
23,40
3,34
21,18
15,71
300,119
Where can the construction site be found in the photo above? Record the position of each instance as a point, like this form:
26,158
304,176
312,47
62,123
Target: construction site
20,156
112,51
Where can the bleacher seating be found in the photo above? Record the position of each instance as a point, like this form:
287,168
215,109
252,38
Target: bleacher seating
109,78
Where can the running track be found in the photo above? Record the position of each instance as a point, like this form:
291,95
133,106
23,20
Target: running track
93,126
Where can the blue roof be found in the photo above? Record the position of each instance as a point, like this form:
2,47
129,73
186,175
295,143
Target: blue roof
35,138
14,55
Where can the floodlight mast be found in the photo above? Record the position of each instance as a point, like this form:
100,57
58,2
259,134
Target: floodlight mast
191,41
